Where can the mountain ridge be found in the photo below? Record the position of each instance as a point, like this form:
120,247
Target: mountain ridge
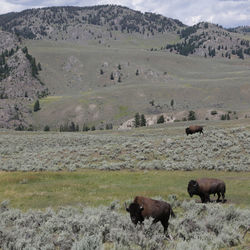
56,22
102,64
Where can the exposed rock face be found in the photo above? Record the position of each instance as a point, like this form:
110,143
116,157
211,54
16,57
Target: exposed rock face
7,41
18,87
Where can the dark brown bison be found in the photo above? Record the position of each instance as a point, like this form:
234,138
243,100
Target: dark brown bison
206,186
143,207
194,129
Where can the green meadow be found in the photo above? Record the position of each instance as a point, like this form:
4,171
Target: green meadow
39,190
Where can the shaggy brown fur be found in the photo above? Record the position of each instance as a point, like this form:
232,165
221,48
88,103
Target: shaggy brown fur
206,186
143,207
194,129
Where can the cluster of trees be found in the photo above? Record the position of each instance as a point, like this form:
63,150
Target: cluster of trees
247,51
34,67
211,52
21,127
227,115
25,32
140,120
185,48
73,127
128,21
188,31
188,46
69,127
4,68
239,53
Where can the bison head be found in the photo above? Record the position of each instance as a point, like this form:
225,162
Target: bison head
188,131
135,212
193,187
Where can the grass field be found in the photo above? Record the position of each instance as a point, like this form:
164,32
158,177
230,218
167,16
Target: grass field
93,188
62,190
72,71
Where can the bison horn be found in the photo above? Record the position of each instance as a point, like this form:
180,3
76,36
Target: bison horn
141,207
126,207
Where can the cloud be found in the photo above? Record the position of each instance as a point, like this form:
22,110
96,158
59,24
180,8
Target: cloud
228,13
9,7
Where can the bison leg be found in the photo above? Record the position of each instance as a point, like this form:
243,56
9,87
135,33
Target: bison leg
223,197
155,221
218,199
202,198
206,198
165,225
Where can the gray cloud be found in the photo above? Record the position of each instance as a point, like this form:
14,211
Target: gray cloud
228,13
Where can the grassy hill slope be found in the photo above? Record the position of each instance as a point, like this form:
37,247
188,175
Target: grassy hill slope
72,72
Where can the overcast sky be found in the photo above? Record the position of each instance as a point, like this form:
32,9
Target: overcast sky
228,13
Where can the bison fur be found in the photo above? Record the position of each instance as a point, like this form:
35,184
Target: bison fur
194,129
206,186
142,208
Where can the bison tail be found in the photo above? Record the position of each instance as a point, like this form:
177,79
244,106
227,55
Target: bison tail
172,213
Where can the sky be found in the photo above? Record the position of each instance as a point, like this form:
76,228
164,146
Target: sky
228,13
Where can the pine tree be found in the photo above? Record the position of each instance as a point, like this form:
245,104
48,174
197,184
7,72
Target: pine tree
137,121
172,103
36,106
46,128
161,119
77,128
112,76
39,67
143,120
34,67
72,127
85,127
191,115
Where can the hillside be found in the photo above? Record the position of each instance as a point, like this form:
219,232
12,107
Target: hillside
20,85
104,22
85,95
209,40
240,29
103,64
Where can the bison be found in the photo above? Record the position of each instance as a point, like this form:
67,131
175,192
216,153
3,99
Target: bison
143,207
194,129
206,186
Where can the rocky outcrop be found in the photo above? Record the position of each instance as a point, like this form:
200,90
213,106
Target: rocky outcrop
19,87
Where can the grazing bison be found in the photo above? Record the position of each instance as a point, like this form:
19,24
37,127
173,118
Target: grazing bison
206,186
194,129
143,207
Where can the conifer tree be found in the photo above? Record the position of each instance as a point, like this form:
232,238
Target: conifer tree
36,106
143,120
161,119
137,121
